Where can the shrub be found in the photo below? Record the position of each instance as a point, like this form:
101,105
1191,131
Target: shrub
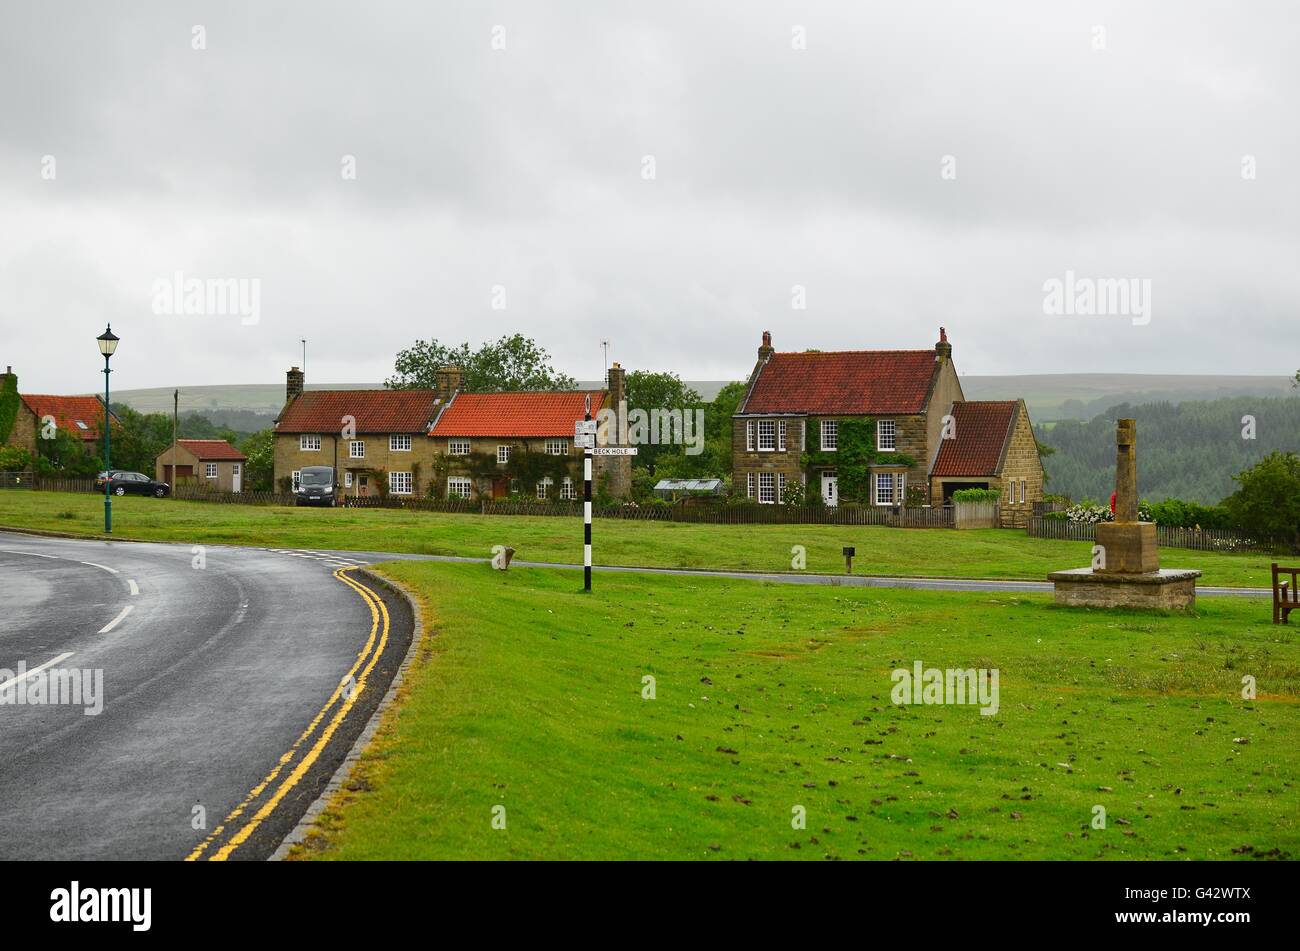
1266,504
976,495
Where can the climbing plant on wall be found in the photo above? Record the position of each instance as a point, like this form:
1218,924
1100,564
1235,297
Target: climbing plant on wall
853,457
8,405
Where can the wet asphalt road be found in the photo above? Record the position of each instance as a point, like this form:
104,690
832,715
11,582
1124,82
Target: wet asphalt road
209,675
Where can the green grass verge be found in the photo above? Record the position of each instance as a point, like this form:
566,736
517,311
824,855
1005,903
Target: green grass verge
936,553
770,697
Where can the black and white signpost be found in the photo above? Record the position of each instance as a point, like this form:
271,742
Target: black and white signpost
584,435
587,435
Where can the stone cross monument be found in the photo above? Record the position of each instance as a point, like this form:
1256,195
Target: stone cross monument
1126,560
1127,545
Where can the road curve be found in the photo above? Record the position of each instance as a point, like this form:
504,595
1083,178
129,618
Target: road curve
221,672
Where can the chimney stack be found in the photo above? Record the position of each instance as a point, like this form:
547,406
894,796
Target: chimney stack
447,381
617,385
766,349
293,384
943,349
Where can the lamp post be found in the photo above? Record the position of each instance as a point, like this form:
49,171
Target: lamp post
107,344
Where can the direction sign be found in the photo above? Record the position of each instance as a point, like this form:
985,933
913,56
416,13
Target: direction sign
584,427
584,440
614,451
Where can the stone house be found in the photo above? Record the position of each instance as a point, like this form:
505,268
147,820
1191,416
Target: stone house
81,417
881,415
440,441
376,440
494,445
212,463
991,446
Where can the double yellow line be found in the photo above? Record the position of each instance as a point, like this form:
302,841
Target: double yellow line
365,663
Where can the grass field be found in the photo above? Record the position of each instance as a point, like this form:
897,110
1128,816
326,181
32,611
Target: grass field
938,553
772,697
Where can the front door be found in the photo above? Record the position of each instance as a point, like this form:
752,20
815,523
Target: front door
236,477
830,489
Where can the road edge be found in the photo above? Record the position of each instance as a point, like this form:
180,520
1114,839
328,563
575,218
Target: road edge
348,765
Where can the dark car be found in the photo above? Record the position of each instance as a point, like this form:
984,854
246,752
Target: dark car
316,486
122,482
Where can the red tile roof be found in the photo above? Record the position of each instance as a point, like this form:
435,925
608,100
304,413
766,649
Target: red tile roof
211,450
981,431
375,411
848,382
81,416
516,414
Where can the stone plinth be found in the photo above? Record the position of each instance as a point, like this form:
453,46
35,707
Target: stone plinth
1130,547
1168,589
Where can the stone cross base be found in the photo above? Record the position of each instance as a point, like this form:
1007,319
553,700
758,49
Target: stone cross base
1169,589
1129,547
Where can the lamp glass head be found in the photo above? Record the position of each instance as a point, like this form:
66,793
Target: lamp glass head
107,341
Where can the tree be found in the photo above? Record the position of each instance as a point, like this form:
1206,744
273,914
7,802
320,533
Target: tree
514,362
1267,502
664,392
259,466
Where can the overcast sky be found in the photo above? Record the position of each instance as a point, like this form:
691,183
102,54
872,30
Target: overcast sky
525,169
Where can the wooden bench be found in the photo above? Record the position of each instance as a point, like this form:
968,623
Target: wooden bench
1286,597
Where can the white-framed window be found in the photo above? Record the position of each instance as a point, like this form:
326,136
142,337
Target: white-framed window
749,485
544,487
780,486
884,488
1022,490
1011,492
210,470
399,483
557,447
347,479
458,447
767,487
830,435
514,486
309,442
296,476
766,435
749,438
357,449
780,435
886,435
459,486
399,442
567,490
503,455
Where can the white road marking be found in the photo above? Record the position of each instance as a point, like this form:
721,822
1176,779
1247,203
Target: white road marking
92,564
17,551
116,621
35,670
130,583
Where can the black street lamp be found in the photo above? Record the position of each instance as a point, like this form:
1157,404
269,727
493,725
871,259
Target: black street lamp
107,344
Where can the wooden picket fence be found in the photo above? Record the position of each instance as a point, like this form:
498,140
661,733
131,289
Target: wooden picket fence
1167,536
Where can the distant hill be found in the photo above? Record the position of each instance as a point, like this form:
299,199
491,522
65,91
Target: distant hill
1053,396
1190,451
